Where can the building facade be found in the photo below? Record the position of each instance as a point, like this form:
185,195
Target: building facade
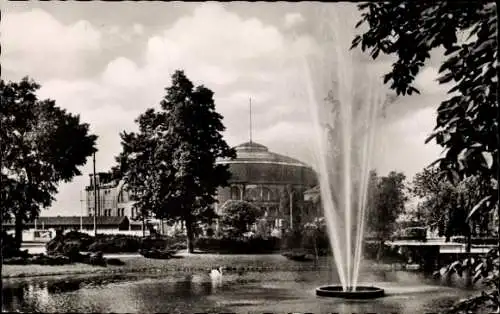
258,175
113,198
265,178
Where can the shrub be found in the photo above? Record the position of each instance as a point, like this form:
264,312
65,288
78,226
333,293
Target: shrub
115,244
298,255
81,242
256,245
49,260
59,244
312,238
72,251
237,216
156,242
15,261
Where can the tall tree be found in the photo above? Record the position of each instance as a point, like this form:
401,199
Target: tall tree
171,162
467,122
386,201
445,207
42,145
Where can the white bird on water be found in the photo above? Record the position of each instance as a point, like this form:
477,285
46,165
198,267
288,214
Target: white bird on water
216,274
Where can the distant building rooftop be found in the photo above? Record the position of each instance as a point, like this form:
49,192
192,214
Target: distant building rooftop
256,164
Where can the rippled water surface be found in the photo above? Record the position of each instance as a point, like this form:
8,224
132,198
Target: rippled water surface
258,292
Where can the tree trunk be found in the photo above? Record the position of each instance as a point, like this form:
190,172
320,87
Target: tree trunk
18,230
315,251
189,235
468,249
143,228
380,251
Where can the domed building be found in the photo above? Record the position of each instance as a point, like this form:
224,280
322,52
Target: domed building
263,177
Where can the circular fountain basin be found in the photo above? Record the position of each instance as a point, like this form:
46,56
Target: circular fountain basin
361,292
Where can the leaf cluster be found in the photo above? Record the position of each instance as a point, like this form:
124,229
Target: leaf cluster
41,145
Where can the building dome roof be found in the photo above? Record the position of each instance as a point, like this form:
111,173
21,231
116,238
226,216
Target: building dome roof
254,163
251,146
259,153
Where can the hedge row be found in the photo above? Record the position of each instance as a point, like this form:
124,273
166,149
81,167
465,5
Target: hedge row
110,243
239,245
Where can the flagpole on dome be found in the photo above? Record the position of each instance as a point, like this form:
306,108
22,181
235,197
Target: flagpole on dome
250,119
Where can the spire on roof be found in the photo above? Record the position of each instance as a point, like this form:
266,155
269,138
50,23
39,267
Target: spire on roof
250,119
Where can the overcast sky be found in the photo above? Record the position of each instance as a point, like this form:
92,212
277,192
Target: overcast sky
108,62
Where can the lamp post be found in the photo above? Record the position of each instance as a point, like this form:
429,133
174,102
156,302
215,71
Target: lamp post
81,212
95,200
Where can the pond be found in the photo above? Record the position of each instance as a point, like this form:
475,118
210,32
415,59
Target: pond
248,292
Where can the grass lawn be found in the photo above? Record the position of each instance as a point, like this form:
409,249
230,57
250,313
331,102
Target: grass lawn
186,262
16,271
183,262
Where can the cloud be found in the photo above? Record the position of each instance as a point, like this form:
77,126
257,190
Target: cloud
121,72
293,19
34,42
203,39
253,60
138,29
400,143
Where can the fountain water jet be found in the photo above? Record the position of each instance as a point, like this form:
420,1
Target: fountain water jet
345,132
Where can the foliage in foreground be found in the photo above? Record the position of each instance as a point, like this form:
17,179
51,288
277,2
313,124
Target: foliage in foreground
467,122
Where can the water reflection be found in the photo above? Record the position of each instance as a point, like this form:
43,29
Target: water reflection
237,292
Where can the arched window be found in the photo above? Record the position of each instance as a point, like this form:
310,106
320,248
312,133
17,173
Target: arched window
235,193
253,194
268,195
